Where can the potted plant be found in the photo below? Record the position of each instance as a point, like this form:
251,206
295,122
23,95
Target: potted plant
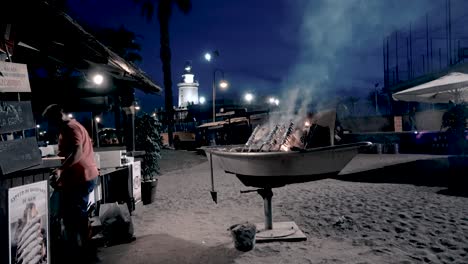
454,120
149,140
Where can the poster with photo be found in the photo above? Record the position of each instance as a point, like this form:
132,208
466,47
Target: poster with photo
28,223
136,173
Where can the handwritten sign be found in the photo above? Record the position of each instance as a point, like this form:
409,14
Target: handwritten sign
18,154
15,116
14,78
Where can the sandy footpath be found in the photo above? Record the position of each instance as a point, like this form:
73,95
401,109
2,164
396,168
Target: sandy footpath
345,222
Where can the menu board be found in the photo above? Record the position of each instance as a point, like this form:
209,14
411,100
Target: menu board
28,224
14,78
18,154
15,116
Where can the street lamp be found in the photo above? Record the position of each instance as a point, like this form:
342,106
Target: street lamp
273,101
98,79
248,97
223,84
202,100
208,56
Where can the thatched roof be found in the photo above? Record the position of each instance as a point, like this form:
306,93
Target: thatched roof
44,29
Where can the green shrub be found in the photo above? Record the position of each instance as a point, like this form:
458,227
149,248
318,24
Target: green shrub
148,138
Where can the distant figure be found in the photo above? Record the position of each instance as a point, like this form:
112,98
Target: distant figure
412,119
176,142
454,121
76,177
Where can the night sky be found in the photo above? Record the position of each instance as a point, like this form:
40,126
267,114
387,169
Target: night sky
269,47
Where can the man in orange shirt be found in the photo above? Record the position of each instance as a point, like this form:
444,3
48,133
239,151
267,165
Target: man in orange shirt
76,177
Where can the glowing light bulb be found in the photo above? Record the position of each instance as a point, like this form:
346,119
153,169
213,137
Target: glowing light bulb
98,79
249,97
223,84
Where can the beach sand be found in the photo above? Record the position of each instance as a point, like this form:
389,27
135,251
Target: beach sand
344,221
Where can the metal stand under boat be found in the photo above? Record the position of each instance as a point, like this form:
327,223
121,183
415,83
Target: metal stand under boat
279,231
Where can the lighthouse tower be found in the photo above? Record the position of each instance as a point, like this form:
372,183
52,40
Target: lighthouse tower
188,88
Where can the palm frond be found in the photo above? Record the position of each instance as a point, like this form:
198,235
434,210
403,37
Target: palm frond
184,5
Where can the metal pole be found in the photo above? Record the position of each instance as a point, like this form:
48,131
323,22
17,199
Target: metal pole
411,51
396,55
211,170
424,64
376,105
214,95
133,128
214,194
407,59
267,194
384,64
440,58
432,57
427,41
450,28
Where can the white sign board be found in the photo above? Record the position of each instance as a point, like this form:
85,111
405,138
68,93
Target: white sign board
136,172
28,223
14,78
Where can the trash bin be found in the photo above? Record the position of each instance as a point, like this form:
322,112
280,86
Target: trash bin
243,236
396,148
378,148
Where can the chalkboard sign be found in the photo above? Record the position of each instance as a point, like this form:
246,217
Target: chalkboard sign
15,116
18,154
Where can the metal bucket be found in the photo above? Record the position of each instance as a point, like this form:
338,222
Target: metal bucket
243,236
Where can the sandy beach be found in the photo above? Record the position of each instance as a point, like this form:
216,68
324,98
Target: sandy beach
344,221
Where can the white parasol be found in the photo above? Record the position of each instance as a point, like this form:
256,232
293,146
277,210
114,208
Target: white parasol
450,87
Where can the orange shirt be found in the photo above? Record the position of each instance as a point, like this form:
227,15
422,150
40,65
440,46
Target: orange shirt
71,135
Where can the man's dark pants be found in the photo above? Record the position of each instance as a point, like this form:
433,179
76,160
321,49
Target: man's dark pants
74,207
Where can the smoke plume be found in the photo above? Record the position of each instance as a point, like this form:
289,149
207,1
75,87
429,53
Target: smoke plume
340,44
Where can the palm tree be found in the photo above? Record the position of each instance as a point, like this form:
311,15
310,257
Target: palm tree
121,41
164,10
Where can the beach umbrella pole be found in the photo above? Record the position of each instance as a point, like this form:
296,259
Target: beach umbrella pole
267,195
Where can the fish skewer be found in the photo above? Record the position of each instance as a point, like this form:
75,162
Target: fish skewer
270,136
251,139
287,134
